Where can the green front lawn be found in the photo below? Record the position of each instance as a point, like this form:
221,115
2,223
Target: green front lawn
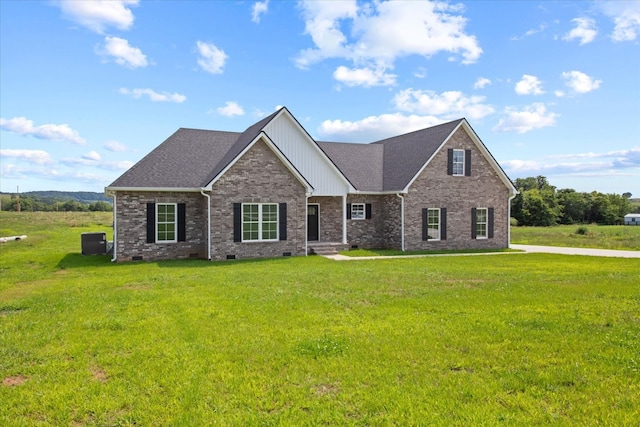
531,339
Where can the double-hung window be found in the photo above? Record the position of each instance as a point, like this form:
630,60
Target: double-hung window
482,222
433,224
259,222
166,220
458,162
358,211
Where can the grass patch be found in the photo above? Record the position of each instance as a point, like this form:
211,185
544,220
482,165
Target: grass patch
592,236
536,339
395,252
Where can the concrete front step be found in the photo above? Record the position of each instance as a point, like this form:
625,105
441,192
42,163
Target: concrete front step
326,248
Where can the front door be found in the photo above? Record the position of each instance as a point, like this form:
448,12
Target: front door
313,223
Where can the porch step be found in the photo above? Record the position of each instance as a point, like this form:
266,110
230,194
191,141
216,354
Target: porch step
326,248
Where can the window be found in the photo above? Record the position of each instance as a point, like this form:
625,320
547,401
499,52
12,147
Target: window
166,219
458,162
259,221
357,211
433,224
482,222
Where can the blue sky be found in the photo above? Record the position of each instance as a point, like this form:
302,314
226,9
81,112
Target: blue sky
87,88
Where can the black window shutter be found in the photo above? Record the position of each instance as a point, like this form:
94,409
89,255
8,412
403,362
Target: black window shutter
467,162
182,222
368,211
473,223
490,225
282,219
151,222
443,223
450,161
348,210
237,222
425,223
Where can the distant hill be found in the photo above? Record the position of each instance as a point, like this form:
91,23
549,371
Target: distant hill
63,196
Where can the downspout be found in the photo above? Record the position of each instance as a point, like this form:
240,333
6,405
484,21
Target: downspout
208,223
115,229
513,196
306,222
344,219
401,220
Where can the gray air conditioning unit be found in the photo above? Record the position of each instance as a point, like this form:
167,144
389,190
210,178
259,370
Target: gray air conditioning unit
94,243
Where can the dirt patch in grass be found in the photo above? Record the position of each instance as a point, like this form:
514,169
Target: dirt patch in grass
14,380
99,374
326,390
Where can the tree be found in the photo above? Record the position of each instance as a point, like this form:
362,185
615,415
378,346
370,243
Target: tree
575,206
100,206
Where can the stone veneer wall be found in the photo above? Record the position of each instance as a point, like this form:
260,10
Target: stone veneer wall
382,230
459,194
131,227
258,177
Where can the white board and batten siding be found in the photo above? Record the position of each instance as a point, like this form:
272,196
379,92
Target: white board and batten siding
304,153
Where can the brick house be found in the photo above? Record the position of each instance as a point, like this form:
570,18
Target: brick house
273,190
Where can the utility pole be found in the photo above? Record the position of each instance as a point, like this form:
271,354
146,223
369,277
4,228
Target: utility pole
18,196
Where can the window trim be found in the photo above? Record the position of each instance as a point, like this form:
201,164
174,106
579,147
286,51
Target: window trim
174,222
260,222
485,222
454,162
434,239
362,212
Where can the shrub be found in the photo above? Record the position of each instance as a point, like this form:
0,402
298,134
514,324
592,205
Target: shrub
513,222
582,230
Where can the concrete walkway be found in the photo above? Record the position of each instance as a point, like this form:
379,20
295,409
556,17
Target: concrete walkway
524,248
577,251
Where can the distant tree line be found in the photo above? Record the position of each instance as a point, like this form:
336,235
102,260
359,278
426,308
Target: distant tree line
540,204
16,202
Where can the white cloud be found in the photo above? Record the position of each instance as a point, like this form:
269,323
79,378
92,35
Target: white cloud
450,104
153,95
365,77
585,30
230,109
529,85
580,82
94,160
92,155
97,15
374,128
481,83
579,164
259,8
38,157
534,116
122,53
626,18
115,146
23,126
382,32
211,58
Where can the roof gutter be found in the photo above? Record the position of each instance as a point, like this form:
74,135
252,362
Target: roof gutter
155,189
202,191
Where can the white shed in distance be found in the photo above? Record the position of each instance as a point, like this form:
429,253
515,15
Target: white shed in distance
632,219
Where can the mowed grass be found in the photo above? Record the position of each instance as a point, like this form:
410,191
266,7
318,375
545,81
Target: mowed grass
510,339
624,237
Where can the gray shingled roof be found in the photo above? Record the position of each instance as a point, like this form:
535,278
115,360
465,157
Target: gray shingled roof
405,155
191,158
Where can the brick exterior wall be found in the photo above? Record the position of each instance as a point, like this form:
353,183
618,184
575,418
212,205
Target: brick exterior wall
131,227
459,194
330,218
258,177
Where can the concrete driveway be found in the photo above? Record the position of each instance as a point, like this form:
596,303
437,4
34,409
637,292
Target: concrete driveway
524,248
577,251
